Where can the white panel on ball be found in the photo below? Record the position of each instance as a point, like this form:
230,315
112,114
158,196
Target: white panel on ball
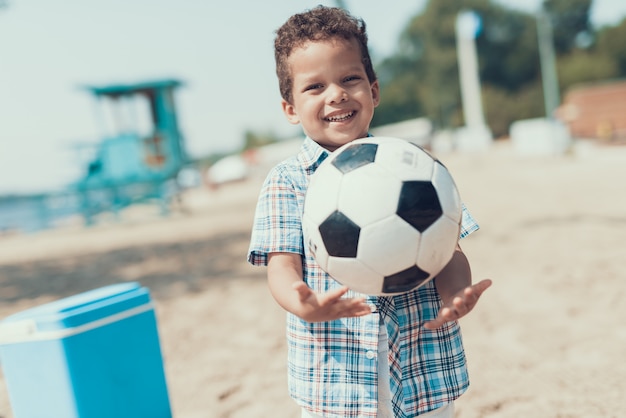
356,275
322,201
389,246
437,245
448,194
368,194
405,162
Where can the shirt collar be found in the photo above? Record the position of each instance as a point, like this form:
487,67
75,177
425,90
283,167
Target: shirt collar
312,154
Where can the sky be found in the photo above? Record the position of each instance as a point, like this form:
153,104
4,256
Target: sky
222,51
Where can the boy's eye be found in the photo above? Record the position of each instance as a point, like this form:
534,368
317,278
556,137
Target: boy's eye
313,87
351,78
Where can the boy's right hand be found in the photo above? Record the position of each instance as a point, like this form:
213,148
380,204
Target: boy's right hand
322,307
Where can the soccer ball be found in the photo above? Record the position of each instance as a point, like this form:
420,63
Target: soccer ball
381,216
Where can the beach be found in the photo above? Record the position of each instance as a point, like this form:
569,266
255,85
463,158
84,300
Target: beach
546,340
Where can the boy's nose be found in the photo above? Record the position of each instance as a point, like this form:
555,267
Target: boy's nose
337,94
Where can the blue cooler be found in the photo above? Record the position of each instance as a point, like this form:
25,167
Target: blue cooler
92,355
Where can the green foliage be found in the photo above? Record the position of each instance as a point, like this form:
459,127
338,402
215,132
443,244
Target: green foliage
503,107
583,67
258,139
421,78
508,49
402,101
569,18
610,43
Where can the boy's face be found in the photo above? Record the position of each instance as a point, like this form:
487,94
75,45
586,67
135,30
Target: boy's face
332,96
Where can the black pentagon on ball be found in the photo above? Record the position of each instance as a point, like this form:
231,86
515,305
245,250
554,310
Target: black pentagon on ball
419,204
405,280
340,235
355,156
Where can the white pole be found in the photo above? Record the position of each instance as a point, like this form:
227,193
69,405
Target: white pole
476,135
467,25
548,63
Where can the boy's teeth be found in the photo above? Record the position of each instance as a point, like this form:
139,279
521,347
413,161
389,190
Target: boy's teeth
340,117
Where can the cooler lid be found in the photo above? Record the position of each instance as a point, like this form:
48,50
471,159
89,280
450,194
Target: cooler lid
84,308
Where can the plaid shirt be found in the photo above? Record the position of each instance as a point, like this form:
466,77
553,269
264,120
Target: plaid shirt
332,365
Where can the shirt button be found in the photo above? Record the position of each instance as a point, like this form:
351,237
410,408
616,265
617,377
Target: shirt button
370,355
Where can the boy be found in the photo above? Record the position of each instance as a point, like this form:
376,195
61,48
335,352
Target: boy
350,355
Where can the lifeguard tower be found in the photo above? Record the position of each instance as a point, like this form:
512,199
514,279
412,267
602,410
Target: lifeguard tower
141,153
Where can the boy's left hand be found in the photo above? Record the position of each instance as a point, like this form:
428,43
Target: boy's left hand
459,305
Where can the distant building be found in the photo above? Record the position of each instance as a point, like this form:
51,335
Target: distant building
595,110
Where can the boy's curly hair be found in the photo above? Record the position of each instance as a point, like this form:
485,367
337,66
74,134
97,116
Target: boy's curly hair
318,24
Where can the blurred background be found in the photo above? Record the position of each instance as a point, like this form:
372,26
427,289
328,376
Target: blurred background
57,60
154,123
71,74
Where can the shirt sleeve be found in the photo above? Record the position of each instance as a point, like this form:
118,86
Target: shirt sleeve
277,223
468,224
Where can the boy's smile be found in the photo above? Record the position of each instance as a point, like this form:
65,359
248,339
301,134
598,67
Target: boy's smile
340,117
332,96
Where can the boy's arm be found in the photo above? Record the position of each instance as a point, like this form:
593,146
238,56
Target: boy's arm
454,284
284,274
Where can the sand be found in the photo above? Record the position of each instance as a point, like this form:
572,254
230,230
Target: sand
547,340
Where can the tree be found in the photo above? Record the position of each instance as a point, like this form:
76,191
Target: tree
610,43
570,20
508,50
422,78
584,66
258,139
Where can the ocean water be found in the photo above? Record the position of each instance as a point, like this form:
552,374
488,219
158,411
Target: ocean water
28,214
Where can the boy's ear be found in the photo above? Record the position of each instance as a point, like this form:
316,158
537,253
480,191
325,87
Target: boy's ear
290,112
375,93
